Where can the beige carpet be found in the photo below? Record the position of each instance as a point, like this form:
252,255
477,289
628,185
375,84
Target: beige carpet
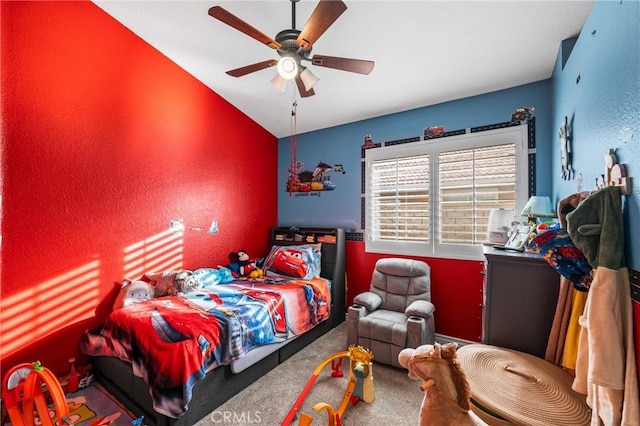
269,399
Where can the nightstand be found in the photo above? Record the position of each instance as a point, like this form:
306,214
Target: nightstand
520,298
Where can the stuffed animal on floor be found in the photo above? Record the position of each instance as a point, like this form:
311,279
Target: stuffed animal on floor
133,291
447,398
173,282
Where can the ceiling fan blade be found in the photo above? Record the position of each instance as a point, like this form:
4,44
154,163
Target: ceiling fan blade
325,14
239,72
304,93
359,66
233,21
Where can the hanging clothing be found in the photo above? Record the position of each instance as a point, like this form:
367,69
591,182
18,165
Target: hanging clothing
558,333
572,338
606,362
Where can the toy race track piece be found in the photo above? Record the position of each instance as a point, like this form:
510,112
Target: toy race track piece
334,419
360,382
25,401
336,364
312,380
17,374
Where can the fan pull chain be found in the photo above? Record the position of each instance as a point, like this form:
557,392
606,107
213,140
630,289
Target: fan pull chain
293,147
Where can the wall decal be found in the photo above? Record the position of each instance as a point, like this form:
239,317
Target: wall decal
615,174
522,114
213,229
368,142
579,182
433,131
626,134
307,182
565,149
177,226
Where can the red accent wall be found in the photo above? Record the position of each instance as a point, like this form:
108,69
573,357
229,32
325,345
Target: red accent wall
456,289
104,142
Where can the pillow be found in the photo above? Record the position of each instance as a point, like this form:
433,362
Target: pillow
133,291
171,282
301,261
213,276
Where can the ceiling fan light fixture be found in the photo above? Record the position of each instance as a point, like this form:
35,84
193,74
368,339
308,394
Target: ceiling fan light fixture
295,46
278,82
308,78
287,67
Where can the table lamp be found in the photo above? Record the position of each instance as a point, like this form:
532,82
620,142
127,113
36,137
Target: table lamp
538,207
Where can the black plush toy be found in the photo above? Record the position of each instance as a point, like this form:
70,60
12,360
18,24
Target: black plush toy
240,264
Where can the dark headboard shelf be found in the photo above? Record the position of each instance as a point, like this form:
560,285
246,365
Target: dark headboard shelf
306,235
332,259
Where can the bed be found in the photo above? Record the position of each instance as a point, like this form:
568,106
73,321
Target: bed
230,365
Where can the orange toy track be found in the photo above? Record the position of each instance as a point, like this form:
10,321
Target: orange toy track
23,396
358,356
312,380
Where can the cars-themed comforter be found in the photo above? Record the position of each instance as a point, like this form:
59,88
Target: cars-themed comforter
172,341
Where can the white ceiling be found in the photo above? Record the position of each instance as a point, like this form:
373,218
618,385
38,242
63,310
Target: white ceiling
425,52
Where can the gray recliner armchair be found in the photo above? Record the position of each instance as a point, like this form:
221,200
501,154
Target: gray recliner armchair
396,312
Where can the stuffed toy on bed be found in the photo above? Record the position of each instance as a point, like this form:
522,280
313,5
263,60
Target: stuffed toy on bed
242,266
133,291
172,282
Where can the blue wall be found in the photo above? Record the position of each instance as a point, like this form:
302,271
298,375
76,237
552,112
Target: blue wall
605,101
603,108
342,145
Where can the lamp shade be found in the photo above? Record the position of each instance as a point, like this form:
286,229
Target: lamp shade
538,206
308,78
278,82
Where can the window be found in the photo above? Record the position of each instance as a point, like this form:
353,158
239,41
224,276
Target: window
433,197
400,198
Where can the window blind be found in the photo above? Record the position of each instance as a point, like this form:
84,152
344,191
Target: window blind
470,183
433,197
400,199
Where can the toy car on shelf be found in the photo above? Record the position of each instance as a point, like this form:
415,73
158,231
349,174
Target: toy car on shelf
433,131
522,113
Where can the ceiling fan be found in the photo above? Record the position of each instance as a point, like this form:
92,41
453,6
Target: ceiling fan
294,46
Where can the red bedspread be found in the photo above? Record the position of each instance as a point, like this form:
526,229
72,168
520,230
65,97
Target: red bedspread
172,341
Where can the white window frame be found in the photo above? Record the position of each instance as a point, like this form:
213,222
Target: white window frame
433,147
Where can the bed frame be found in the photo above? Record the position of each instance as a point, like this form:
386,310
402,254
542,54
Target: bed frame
222,383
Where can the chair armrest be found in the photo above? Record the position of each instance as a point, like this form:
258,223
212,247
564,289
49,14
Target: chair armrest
354,314
420,308
369,300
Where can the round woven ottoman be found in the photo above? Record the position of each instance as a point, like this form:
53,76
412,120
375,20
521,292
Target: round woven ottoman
514,388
